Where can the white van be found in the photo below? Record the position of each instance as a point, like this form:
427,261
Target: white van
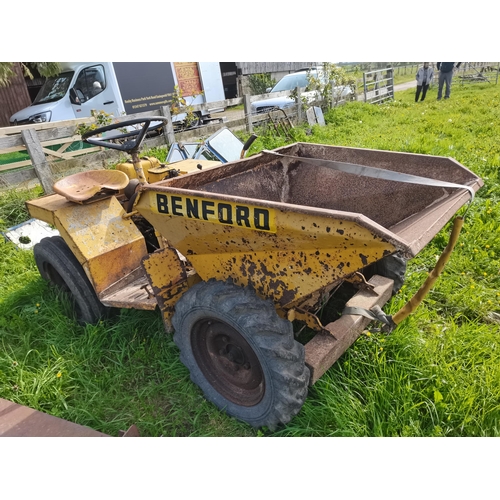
123,88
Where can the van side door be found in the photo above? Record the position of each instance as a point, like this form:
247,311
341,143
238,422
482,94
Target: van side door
93,92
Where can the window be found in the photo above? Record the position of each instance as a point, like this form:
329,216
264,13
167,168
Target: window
54,88
90,82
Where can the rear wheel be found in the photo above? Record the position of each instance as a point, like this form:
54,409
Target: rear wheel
59,266
240,353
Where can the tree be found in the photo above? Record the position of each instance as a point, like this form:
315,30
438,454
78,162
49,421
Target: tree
46,69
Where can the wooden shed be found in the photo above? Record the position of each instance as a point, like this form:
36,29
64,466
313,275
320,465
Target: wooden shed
14,97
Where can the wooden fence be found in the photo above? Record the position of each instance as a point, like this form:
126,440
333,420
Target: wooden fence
54,150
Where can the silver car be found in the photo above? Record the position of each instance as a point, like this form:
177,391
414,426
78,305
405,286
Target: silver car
290,82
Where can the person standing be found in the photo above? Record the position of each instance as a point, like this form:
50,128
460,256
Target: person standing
424,78
445,75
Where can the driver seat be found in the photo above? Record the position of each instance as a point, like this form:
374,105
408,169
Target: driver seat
83,186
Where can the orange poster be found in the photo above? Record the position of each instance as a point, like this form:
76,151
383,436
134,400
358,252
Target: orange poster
188,78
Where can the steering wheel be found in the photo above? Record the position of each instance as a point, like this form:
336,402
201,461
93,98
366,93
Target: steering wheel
137,136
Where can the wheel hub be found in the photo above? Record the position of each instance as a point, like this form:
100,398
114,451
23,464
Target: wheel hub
228,362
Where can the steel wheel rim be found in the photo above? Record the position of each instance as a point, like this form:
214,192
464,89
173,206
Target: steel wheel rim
228,362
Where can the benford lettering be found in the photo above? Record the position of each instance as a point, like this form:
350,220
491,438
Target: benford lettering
221,212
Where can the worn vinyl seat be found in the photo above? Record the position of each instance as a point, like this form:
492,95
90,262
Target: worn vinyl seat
84,185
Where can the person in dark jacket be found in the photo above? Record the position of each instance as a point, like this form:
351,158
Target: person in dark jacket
424,78
445,75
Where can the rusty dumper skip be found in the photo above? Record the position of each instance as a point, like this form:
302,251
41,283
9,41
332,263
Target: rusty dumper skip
232,254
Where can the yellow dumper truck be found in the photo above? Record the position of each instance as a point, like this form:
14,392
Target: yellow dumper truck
232,254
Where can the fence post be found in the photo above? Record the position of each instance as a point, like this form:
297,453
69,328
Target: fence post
248,113
168,128
364,84
38,160
299,106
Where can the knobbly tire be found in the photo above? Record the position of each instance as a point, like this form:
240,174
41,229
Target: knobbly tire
59,266
240,353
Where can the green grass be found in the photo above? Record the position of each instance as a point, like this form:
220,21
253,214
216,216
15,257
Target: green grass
7,158
437,374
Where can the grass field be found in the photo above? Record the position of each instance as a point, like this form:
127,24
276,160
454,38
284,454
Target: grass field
437,374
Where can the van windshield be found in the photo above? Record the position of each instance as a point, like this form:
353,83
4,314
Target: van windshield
54,88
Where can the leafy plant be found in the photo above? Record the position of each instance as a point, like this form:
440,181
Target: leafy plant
260,82
46,69
180,105
328,82
101,120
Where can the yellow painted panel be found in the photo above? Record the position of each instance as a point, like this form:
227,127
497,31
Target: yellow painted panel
295,255
223,212
107,245
43,208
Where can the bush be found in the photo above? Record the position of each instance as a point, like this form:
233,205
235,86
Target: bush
260,82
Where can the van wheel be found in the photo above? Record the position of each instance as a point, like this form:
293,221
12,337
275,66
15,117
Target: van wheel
240,353
59,266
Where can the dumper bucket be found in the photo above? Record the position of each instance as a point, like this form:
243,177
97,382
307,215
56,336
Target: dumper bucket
291,228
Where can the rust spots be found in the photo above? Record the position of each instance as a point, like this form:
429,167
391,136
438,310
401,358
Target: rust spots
328,229
288,296
364,259
340,231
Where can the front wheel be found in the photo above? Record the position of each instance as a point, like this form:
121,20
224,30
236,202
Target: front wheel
240,353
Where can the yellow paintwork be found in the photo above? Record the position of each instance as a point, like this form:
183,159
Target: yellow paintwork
217,212
299,253
147,163
108,246
154,171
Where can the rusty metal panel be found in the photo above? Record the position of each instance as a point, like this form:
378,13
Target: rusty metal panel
20,421
324,349
168,279
284,253
108,246
131,292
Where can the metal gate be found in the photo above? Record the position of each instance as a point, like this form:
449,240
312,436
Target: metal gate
378,85
478,72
